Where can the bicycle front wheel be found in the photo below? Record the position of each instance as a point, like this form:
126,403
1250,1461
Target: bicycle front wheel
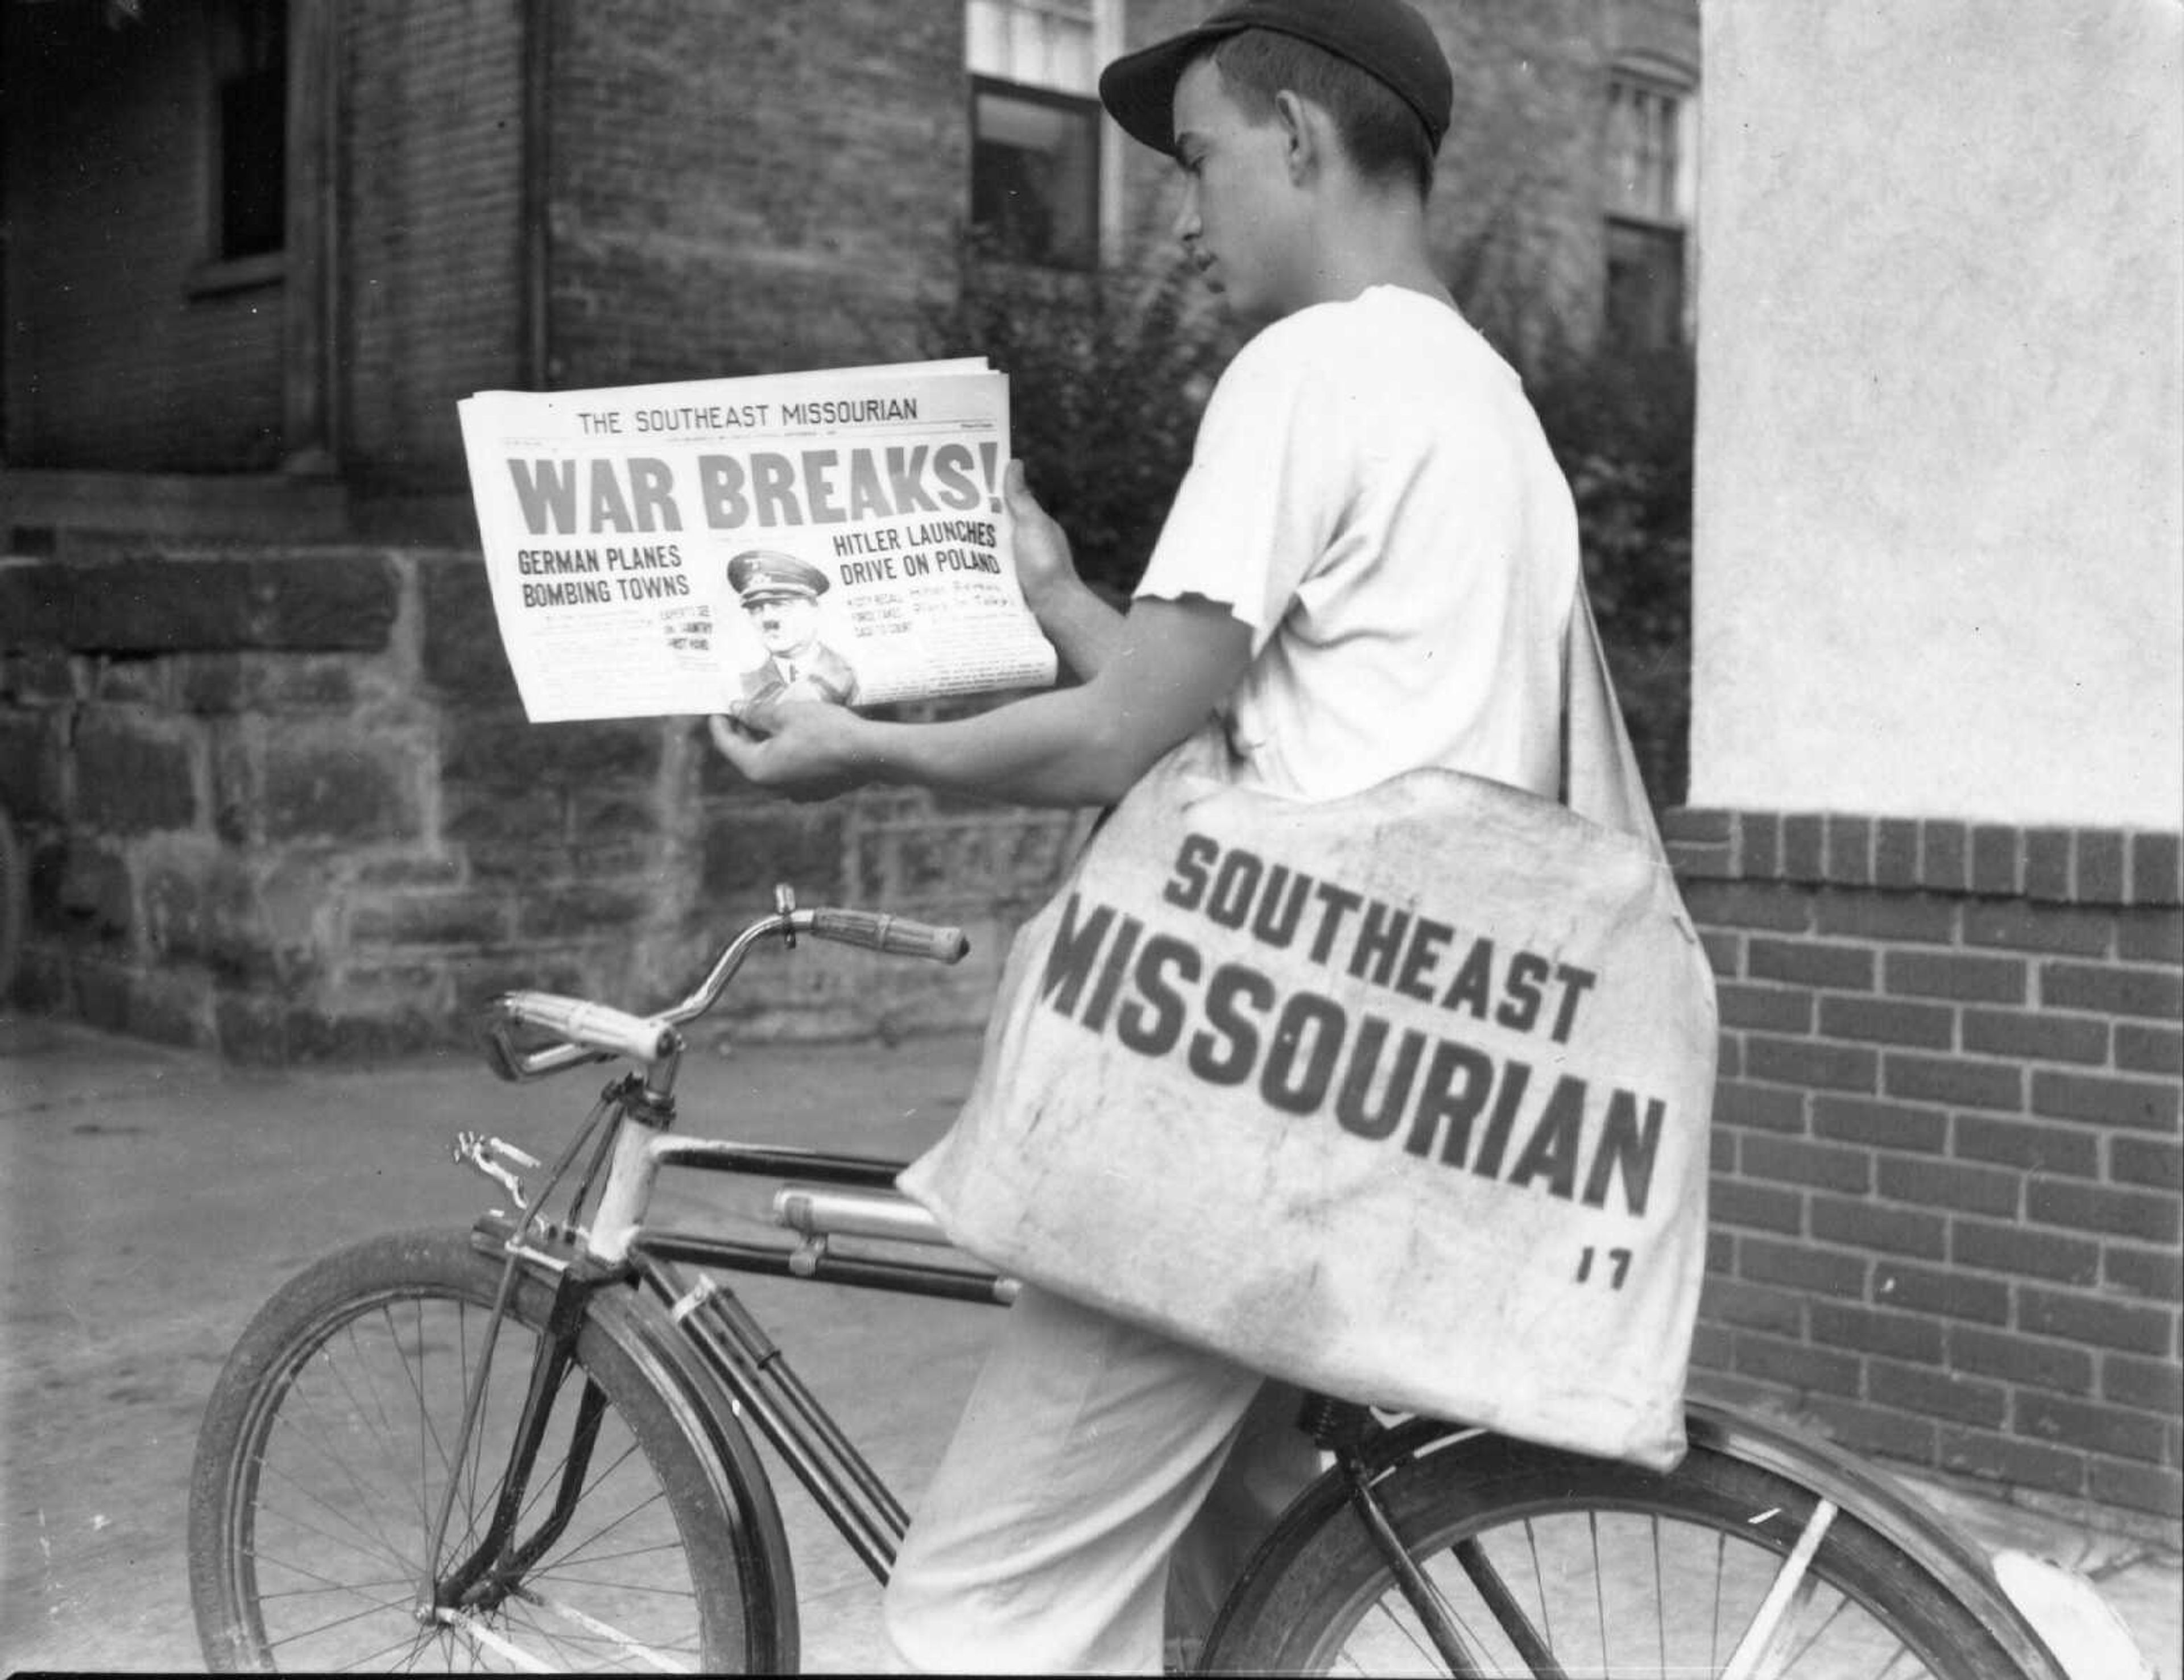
1545,1563
331,1437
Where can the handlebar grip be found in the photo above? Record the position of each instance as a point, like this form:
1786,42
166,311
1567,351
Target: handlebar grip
593,1026
898,936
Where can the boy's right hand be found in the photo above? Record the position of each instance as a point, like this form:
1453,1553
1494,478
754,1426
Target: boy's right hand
1044,567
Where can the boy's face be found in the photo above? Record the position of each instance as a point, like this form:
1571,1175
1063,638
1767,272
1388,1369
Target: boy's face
1239,216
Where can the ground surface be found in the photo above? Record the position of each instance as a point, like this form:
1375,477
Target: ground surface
150,1199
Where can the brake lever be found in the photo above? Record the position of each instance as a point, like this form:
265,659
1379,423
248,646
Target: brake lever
485,1154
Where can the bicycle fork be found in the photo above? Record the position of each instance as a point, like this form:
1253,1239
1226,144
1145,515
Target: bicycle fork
1345,1429
495,1568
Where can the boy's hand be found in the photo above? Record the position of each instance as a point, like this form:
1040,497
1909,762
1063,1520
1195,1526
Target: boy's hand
805,749
1044,566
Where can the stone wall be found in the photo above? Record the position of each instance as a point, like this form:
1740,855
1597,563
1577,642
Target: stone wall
285,804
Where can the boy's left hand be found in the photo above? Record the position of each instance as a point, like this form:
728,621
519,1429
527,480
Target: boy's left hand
806,749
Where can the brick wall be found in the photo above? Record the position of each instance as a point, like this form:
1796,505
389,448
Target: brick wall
117,358
727,189
429,228
1947,1178
285,804
741,189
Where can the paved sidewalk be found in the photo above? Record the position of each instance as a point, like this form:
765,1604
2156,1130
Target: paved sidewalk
153,1198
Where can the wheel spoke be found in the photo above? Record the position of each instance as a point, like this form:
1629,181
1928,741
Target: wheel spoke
483,1639
353,1617
417,1640
380,1548
635,1649
1789,1587
1714,1625
1660,1598
1507,1613
1599,1586
1539,1582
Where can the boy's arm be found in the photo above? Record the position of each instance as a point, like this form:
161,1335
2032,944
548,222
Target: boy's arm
1086,631
1171,664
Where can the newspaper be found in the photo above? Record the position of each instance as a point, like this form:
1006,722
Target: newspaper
706,546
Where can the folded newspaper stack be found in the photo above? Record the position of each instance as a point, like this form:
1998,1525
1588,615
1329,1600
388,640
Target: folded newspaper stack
708,546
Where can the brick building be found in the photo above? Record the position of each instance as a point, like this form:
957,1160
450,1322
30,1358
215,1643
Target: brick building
280,797
254,723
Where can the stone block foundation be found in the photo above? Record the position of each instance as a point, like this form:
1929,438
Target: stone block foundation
285,804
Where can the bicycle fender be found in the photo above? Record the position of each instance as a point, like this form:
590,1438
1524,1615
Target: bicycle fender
1881,1505
642,1329
1818,1467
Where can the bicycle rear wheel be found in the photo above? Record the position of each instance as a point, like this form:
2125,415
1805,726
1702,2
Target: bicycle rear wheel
1549,1564
330,1437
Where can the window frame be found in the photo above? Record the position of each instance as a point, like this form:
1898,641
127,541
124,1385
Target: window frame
1678,83
1095,208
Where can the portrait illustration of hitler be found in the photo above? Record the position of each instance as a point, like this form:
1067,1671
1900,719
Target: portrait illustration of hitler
780,593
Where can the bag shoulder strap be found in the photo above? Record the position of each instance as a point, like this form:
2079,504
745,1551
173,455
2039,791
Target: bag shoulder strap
1600,778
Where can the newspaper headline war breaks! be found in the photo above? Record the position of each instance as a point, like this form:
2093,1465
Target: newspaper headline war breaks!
664,549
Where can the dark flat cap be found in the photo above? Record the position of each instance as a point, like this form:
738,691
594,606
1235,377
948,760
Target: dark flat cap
1386,39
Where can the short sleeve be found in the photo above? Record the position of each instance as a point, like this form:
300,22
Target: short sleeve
1265,490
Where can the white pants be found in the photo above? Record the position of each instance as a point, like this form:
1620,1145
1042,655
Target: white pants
1088,1453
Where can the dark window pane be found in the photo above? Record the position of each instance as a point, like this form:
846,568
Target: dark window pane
1644,285
254,121
1035,176
250,151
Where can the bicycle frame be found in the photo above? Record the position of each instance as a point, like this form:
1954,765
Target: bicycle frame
822,1196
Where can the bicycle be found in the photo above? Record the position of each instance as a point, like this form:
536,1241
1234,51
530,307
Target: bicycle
531,1444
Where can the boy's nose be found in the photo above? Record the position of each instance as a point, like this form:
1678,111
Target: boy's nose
1187,226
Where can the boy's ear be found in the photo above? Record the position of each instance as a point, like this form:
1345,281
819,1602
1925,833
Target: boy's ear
1304,134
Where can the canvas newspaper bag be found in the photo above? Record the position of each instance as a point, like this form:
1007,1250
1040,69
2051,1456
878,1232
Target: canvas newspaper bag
1402,1097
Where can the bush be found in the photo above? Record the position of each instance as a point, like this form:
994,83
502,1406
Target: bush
1621,425
1107,374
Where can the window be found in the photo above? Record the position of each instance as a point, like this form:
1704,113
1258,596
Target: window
1650,174
1035,127
250,135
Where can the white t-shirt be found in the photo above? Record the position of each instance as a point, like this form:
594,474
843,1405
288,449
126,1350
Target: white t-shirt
1371,493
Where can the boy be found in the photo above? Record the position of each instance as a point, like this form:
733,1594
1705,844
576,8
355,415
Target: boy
1368,569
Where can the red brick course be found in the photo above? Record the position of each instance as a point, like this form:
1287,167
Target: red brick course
1947,1213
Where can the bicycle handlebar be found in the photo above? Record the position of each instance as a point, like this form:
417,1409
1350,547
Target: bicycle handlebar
896,935
589,1031
595,1027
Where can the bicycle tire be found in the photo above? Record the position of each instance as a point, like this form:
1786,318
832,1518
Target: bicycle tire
323,1452
1319,1596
